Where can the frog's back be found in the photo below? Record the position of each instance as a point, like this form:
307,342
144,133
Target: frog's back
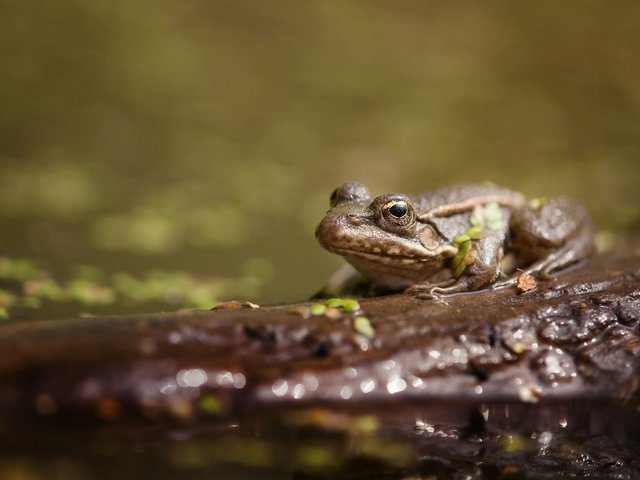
463,194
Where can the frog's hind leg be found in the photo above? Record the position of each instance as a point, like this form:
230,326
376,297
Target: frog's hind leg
548,237
580,246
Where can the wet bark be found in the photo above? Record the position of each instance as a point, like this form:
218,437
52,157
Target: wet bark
573,342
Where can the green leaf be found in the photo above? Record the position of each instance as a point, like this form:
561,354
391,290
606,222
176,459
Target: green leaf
317,309
347,304
475,232
460,239
494,219
363,327
538,203
459,270
462,253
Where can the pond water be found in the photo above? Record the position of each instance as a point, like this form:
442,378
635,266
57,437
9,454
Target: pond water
436,441
144,140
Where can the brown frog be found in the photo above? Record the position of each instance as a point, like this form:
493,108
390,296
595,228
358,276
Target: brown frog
454,239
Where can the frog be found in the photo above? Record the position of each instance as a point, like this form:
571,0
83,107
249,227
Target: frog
453,240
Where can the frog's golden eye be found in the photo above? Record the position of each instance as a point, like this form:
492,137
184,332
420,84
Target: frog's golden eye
398,216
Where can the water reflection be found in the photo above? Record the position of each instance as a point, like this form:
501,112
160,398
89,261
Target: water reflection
451,440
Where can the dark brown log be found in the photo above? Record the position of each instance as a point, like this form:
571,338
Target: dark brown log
576,336
570,347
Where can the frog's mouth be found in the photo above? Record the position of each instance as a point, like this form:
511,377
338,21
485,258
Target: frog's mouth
384,256
376,245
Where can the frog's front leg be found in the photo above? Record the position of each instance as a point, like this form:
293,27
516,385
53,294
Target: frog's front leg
345,281
477,265
428,291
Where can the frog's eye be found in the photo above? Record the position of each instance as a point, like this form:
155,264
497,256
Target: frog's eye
398,216
398,210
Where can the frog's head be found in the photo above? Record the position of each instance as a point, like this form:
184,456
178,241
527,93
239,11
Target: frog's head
382,238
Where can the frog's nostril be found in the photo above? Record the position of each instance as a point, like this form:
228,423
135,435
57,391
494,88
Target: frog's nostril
355,218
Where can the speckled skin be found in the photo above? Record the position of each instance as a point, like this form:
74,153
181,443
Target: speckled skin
414,250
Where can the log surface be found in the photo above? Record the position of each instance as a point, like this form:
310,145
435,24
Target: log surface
573,337
491,384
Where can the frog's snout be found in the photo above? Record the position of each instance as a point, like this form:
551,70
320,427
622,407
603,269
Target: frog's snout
326,231
332,229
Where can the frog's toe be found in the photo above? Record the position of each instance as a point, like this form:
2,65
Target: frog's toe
434,294
416,290
429,291
508,282
423,292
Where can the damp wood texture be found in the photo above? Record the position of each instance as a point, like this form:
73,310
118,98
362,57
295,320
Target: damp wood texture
571,342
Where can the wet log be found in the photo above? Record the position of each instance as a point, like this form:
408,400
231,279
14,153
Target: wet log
576,336
569,350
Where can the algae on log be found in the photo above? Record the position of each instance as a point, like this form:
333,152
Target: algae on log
567,349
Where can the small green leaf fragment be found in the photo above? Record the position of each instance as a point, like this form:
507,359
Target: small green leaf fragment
333,302
537,203
494,219
317,309
464,248
4,315
462,253
460,239
475,232
350,305
459,270
362,325
347,304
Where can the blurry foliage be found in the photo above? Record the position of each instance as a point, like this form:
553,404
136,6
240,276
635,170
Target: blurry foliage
200,135
23,285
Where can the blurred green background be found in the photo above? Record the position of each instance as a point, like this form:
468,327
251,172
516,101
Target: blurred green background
168,154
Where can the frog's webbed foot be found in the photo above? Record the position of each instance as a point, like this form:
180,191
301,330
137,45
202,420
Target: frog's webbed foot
425,292
433,291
